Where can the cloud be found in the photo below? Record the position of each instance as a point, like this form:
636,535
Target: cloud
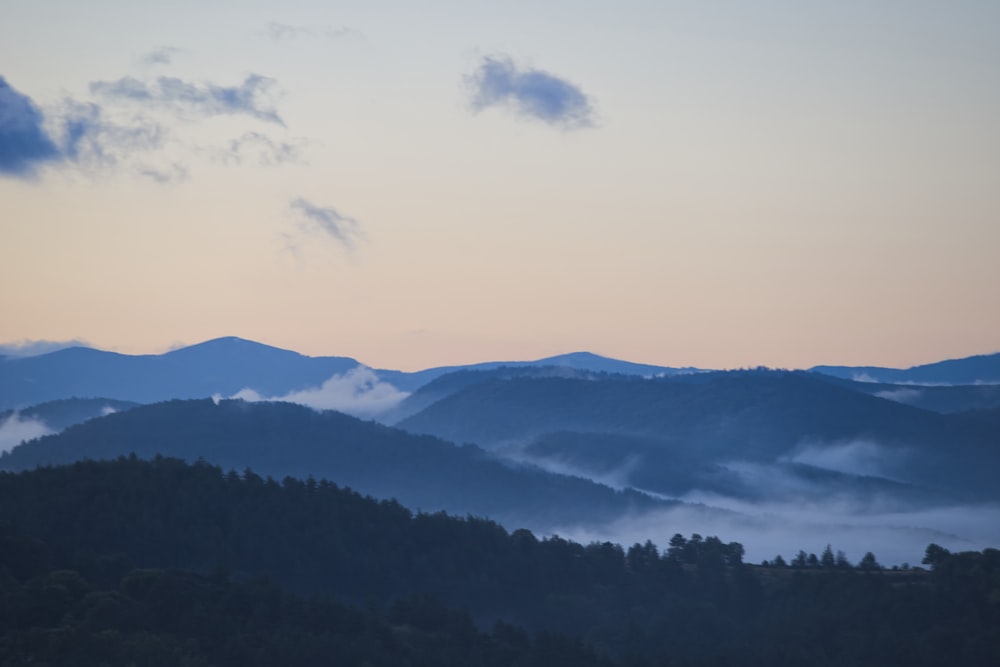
24,143
33,348
253,97
124,129
14,430
174,173
358,392
260,149
90,137
163,55
528,93
900,395
342,228
78,132
280,32
856,457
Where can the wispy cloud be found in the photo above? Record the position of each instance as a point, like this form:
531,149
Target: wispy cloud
125,128
254,97
853,457
280,32
261,149
24,143
528,93
89,136
163,55
900,394
358,392
173,173
344,229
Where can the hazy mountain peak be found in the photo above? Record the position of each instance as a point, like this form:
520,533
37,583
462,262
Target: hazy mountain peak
230,345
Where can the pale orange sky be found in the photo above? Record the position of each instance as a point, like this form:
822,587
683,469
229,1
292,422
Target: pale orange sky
778,183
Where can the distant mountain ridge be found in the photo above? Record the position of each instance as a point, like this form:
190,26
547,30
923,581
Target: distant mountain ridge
223,366
676,431
978,369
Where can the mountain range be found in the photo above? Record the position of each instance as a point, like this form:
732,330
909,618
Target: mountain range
579,444
225,366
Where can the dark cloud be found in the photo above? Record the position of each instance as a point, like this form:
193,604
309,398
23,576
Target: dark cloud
24,143
161,56
120,130
529,93
344,229
254,97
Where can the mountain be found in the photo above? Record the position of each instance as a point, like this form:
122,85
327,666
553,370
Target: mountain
222,366
715,421
63,413
17,426
452,382
937,398
283,439
979,369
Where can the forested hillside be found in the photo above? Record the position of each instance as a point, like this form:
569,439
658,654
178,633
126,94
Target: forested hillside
283,439
79,542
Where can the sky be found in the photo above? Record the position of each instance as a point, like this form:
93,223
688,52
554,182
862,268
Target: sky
714,184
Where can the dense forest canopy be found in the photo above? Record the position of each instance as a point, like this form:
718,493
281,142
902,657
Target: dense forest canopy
161,562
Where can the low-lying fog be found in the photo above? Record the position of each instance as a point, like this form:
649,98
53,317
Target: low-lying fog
772,528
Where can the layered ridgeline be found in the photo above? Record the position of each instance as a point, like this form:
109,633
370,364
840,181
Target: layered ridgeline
978,369
133,562
720,432
283,439
228,366
772,457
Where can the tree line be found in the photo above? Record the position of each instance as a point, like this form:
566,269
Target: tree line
193,559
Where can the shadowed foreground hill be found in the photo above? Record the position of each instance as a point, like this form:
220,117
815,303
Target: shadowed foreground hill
71,537
282,439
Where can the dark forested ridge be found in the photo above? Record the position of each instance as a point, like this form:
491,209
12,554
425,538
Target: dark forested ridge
283,439
63,413
137,562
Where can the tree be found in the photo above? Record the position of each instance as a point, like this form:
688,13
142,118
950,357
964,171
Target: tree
935,555
868,563
827,560
675,550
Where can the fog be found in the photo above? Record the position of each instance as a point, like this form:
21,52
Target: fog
769,529
853,457
15,429
773,509
358,392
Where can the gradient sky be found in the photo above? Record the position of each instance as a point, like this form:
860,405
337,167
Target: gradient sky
716,184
